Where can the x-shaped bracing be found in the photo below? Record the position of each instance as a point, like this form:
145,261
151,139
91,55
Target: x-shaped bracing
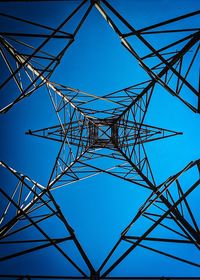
171,67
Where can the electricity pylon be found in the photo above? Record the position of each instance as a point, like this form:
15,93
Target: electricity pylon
96,139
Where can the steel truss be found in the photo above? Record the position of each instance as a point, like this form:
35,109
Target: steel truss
89,136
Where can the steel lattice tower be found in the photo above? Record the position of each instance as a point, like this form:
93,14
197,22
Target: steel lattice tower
100,134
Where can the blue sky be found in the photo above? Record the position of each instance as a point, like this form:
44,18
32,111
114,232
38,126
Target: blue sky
99,208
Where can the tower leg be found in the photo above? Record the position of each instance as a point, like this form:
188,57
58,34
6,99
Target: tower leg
95,276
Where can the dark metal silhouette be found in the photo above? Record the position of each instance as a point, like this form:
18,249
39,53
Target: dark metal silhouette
89,133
